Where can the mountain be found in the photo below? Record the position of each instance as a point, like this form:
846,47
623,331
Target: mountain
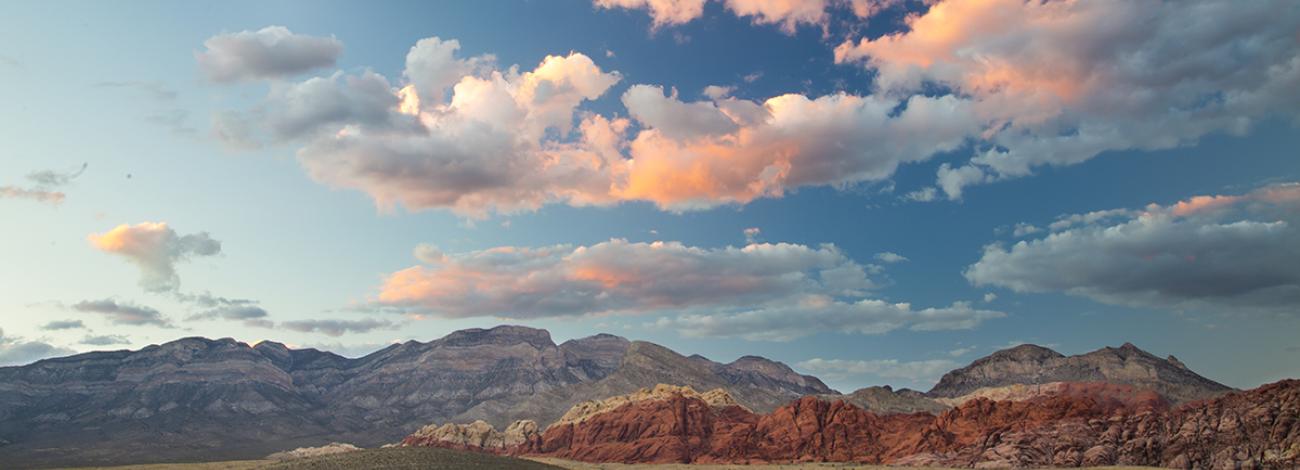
197,398
1093,424
1028,364
885,400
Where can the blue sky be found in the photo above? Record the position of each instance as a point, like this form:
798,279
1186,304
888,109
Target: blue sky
306,246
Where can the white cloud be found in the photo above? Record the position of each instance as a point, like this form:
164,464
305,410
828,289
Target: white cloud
466,136
1218,253
890,257
155,248
663,12
959,352
1023,229
270,52
1057,83
787,14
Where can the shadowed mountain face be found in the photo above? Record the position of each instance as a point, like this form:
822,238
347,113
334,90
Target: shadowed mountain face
201,399
197,398
1128,365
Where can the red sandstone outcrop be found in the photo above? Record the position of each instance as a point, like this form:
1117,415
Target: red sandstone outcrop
1078,425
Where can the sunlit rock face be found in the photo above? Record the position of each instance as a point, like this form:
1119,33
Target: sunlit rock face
1081,424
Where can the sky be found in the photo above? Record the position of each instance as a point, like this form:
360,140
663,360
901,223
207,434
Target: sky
872,191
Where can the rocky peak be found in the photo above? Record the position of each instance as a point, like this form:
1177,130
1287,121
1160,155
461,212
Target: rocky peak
1025,352
504,334
1173,361
762,369
595,356
1035,365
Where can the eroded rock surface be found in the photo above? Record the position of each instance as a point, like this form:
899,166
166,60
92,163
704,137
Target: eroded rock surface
1087,424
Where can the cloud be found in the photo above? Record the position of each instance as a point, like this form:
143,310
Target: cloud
45,185
890,257
959,352
486,149
751,235
662,12
1057,83
296,110
231,312
38,195
618,276
155,248
989,297
1228,253
1023,229
465,136
64,325
926,371
16,351
786,321
760,291
105,340
270,52
784,143
788,14
123,313
337,327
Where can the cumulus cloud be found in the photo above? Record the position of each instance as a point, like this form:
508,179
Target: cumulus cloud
155,248
18,351
662,12
270,52
466,136
1057,83
64,325
925,371
45,184
787,14
1229,253
760,291
490,147
337,327
123,313
890,257
105,340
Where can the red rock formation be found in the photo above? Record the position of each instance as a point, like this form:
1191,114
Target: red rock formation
1082,425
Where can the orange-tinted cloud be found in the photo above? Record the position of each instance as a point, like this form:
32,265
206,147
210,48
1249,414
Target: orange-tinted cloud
1059,82
794,289
155,248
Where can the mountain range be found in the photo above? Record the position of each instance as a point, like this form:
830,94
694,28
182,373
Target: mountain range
202,399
